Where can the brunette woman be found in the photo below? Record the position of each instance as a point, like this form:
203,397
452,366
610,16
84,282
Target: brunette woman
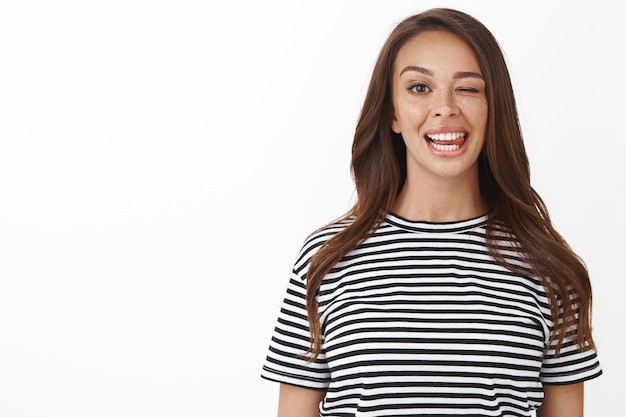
446,290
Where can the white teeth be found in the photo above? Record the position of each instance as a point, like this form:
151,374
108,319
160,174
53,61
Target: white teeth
445,136
444,147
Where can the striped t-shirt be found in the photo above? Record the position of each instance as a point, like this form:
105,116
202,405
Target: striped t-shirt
421,320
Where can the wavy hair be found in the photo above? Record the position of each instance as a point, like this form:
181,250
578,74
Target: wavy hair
378,169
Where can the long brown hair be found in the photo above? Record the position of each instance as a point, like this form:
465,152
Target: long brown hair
379,171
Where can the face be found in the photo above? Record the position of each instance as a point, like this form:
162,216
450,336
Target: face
440,106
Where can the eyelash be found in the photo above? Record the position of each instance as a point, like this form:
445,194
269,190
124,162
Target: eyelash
470,89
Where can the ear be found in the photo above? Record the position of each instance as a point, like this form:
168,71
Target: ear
395,126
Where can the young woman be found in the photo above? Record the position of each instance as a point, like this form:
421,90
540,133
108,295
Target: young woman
445,291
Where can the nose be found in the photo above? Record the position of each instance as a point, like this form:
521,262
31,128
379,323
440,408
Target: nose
445,105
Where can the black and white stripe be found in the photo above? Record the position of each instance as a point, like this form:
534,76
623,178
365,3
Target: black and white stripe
420,320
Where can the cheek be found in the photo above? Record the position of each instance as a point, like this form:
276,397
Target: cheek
478,112
479,120
410,114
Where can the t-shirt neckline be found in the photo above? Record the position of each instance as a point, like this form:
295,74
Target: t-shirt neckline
420,226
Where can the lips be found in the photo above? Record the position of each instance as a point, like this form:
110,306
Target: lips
449,141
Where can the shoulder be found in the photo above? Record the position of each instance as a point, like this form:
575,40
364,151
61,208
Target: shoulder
316,239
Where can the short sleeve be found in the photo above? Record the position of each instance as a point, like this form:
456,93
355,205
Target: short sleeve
286,360
571,366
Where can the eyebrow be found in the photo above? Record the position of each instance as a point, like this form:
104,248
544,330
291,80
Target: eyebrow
457,75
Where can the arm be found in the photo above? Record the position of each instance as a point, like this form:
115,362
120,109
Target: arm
562,401
298,402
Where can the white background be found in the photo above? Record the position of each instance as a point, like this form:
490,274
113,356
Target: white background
162,161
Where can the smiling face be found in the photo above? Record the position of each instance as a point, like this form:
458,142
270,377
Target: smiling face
440,107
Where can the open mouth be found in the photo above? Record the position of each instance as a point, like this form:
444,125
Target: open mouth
446,142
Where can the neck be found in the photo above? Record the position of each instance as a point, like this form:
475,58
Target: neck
443,201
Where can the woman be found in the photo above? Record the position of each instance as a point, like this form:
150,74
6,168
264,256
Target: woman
445,290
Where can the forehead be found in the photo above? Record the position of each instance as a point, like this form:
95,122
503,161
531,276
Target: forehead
437,50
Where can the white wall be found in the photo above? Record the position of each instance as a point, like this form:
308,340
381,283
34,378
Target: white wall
161,162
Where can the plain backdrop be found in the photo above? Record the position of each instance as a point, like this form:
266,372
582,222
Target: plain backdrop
162,161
